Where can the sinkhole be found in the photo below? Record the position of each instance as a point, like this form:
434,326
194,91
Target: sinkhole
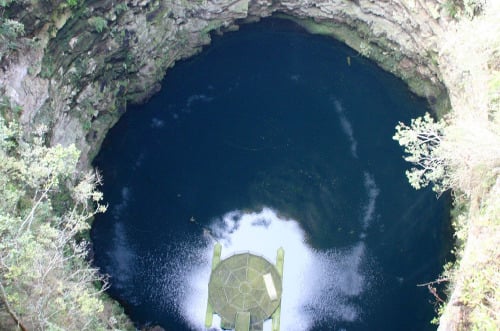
271,137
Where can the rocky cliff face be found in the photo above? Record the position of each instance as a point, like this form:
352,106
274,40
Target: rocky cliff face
92,60
82,65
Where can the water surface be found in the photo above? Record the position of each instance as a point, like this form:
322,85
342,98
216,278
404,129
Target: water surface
270,138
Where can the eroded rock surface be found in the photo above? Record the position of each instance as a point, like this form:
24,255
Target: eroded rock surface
82,65
93,60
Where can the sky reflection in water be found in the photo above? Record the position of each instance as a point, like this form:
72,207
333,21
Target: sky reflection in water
270,139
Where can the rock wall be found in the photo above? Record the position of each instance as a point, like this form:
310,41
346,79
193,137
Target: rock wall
85,64
94,59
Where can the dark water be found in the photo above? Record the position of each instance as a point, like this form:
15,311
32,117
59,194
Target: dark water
271,117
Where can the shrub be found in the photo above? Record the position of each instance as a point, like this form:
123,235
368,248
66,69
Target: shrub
45,280
98,23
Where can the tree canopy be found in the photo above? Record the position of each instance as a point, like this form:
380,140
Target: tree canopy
46,282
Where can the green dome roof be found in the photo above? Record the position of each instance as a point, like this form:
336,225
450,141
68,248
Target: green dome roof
244,283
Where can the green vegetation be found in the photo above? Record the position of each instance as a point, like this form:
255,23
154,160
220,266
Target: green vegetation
45,281
45,204
461,152
5,3
421,141
451,8
464,157
98,23
120,8
11,32
72,3
463,8
473,7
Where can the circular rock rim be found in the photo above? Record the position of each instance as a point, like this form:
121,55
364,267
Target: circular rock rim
225,293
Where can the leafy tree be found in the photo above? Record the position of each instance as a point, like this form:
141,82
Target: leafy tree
45,281
421,141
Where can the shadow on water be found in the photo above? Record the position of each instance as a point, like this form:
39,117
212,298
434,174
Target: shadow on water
269,138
